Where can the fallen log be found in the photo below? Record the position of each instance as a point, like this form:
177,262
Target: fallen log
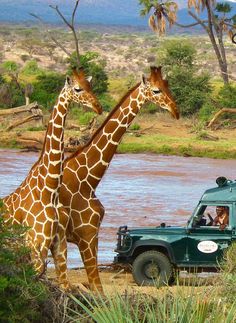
218,114
25,120
23,108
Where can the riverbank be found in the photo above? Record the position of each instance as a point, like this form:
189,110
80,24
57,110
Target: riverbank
157,133
121,281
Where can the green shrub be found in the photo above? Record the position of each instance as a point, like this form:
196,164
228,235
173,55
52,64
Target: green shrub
150,108
31,68
135,126
227,96
92,67
107,102
206,112
21,295
190,89
47,88
82,116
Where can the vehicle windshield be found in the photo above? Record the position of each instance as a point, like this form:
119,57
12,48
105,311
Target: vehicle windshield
210,215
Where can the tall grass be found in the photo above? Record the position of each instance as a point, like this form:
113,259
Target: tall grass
190,301
172,307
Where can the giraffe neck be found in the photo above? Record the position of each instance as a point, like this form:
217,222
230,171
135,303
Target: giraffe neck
52,156
103,145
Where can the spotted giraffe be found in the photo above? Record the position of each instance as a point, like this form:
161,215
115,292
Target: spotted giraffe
35,203
85,168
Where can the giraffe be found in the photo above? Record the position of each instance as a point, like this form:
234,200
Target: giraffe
35,203
84,169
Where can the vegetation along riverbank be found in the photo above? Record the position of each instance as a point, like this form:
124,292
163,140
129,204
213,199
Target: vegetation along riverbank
29,73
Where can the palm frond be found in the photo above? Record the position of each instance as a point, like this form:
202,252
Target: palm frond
152,23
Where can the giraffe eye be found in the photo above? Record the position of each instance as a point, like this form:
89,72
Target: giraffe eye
156,91
78,89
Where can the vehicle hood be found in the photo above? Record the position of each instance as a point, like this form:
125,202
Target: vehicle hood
168,230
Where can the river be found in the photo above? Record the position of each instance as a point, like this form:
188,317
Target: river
137,190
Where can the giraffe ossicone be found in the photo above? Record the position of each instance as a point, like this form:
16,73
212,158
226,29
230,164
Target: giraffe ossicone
35,203
84,169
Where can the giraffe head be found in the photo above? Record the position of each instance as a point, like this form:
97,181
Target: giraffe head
78,89
156,90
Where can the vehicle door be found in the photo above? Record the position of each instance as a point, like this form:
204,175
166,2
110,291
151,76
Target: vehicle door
206,243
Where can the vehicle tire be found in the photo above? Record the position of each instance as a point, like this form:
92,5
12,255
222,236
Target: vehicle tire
152,268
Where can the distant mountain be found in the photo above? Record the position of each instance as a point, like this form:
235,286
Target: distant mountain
108,12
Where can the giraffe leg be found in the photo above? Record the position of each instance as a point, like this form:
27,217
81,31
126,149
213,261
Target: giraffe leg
40,238
88,246
59,253
39,253
59,249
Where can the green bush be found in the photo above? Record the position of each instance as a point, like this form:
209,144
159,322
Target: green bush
206,112
10,95
21,295
135,126
227,96
150,108
31,68
47,88
190,89
179,53
82,116
107,101
92,67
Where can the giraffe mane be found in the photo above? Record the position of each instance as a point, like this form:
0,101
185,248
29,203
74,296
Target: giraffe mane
80,148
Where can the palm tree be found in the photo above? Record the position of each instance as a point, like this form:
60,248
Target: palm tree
216,24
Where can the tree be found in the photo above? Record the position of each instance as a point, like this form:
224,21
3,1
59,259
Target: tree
22,296
12,92
217,23
190,90
93,67
47,87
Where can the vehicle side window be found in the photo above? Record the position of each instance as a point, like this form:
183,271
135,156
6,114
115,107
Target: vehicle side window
212,216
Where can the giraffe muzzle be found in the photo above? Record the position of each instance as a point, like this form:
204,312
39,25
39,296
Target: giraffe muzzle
97,108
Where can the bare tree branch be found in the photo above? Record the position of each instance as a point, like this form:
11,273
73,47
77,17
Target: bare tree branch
201,22
51,36
71,26
218,114
181,25
25,120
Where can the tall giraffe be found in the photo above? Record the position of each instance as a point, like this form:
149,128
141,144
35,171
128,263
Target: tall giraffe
85,168
35,203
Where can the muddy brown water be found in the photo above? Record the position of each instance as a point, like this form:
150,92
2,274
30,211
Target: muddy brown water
137,190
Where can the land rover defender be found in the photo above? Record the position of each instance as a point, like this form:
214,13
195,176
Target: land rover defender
158,253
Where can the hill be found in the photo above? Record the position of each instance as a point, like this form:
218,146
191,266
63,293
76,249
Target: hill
115,12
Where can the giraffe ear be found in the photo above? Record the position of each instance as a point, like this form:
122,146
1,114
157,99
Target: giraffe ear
68,80
144,79
89,78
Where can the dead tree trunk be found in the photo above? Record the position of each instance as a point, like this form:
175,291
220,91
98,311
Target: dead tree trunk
218,114
25,120
23,108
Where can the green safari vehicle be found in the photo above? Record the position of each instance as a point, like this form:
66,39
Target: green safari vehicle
158,253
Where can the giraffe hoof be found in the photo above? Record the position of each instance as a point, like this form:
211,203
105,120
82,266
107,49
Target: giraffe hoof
83,289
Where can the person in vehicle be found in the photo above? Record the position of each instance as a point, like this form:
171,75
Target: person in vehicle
221,219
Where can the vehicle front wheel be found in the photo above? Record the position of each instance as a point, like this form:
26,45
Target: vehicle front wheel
152,268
